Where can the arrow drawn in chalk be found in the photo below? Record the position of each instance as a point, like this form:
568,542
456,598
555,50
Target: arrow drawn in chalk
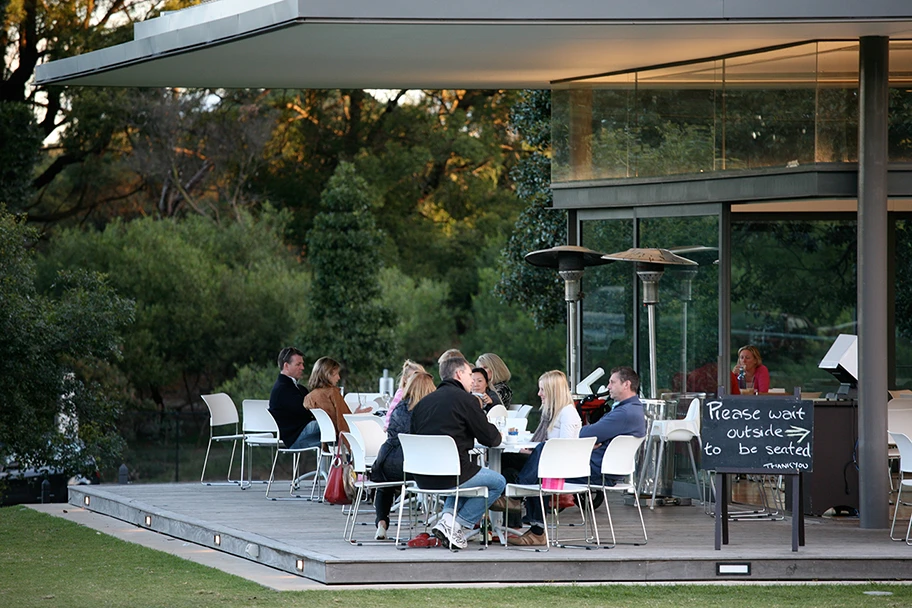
797,431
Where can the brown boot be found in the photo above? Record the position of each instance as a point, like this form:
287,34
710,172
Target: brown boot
500,505
529,539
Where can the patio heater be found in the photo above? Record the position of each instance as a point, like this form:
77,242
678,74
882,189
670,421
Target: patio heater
570,262
650,266
705,255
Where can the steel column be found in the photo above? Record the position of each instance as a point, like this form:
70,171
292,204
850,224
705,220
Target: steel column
872,281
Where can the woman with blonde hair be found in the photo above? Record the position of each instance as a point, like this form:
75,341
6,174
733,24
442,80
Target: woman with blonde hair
750,365
409,369
498,375
559,417
325,394
388,466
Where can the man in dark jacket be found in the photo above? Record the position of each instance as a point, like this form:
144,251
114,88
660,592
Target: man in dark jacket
297,427
452,410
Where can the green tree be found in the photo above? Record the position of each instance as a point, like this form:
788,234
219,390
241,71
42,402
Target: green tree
426,323
58,401
208,297
346,321
539,226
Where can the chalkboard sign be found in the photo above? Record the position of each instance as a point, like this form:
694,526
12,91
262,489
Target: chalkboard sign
758,433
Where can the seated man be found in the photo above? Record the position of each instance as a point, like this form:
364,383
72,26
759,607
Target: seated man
452,410
298,429
626,418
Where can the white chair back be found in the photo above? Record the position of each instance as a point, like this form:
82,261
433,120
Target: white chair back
904,444
359,462
356,400
371,436
620,455
498,411
523,411
429,455
327,428
566,458
257,418
221,409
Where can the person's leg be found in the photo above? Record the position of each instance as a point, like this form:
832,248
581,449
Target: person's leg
309,437
471,510
383,502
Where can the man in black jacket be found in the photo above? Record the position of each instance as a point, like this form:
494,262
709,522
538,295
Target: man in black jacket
452,410
298,429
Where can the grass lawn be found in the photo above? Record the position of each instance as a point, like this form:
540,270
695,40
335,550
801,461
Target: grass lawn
47,561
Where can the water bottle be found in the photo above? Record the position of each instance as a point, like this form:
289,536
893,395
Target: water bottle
742,381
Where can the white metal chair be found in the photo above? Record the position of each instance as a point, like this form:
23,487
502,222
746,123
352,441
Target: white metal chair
620,460
363,484
370,435
257,423
498,411
222,412
899,420
664,431
328,445
433,455
561,458
904,444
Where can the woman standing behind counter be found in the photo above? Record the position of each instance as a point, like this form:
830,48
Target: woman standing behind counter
756,375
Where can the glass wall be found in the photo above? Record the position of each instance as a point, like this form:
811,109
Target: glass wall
687,335
780,108
793,291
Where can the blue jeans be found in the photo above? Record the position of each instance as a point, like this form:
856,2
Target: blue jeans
309,437
471,509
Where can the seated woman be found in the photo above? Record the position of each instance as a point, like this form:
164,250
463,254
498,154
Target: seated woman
409,368
756,375
388,466
488,396
324,393
559,418
498,376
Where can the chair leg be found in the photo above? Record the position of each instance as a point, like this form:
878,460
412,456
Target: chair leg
272,475
205,462
610,522
896,509
658,471
693,464
644,464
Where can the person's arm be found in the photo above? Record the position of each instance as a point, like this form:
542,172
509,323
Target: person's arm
477,421
604,429
762,379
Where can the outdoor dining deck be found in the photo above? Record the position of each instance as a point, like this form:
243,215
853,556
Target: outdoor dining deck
305,538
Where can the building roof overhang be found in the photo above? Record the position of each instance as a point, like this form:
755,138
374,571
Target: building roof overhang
469,44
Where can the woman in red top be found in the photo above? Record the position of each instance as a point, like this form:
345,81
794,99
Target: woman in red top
756,375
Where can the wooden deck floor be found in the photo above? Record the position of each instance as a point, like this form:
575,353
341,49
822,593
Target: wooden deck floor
305,538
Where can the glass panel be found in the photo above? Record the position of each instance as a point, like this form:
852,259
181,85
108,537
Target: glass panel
607,317
837,102
769,108
687,314
793,292
676,119
903,303
899,136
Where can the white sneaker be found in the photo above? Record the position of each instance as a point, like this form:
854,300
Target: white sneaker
450,535
381,531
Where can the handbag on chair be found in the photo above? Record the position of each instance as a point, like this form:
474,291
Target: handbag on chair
338,492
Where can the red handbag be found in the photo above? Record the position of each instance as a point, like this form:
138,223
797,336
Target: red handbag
336,491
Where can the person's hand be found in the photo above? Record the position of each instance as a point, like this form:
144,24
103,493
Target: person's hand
486,399
525,451
363,409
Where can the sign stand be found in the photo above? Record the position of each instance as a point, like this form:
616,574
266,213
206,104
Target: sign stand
758,435
723,486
